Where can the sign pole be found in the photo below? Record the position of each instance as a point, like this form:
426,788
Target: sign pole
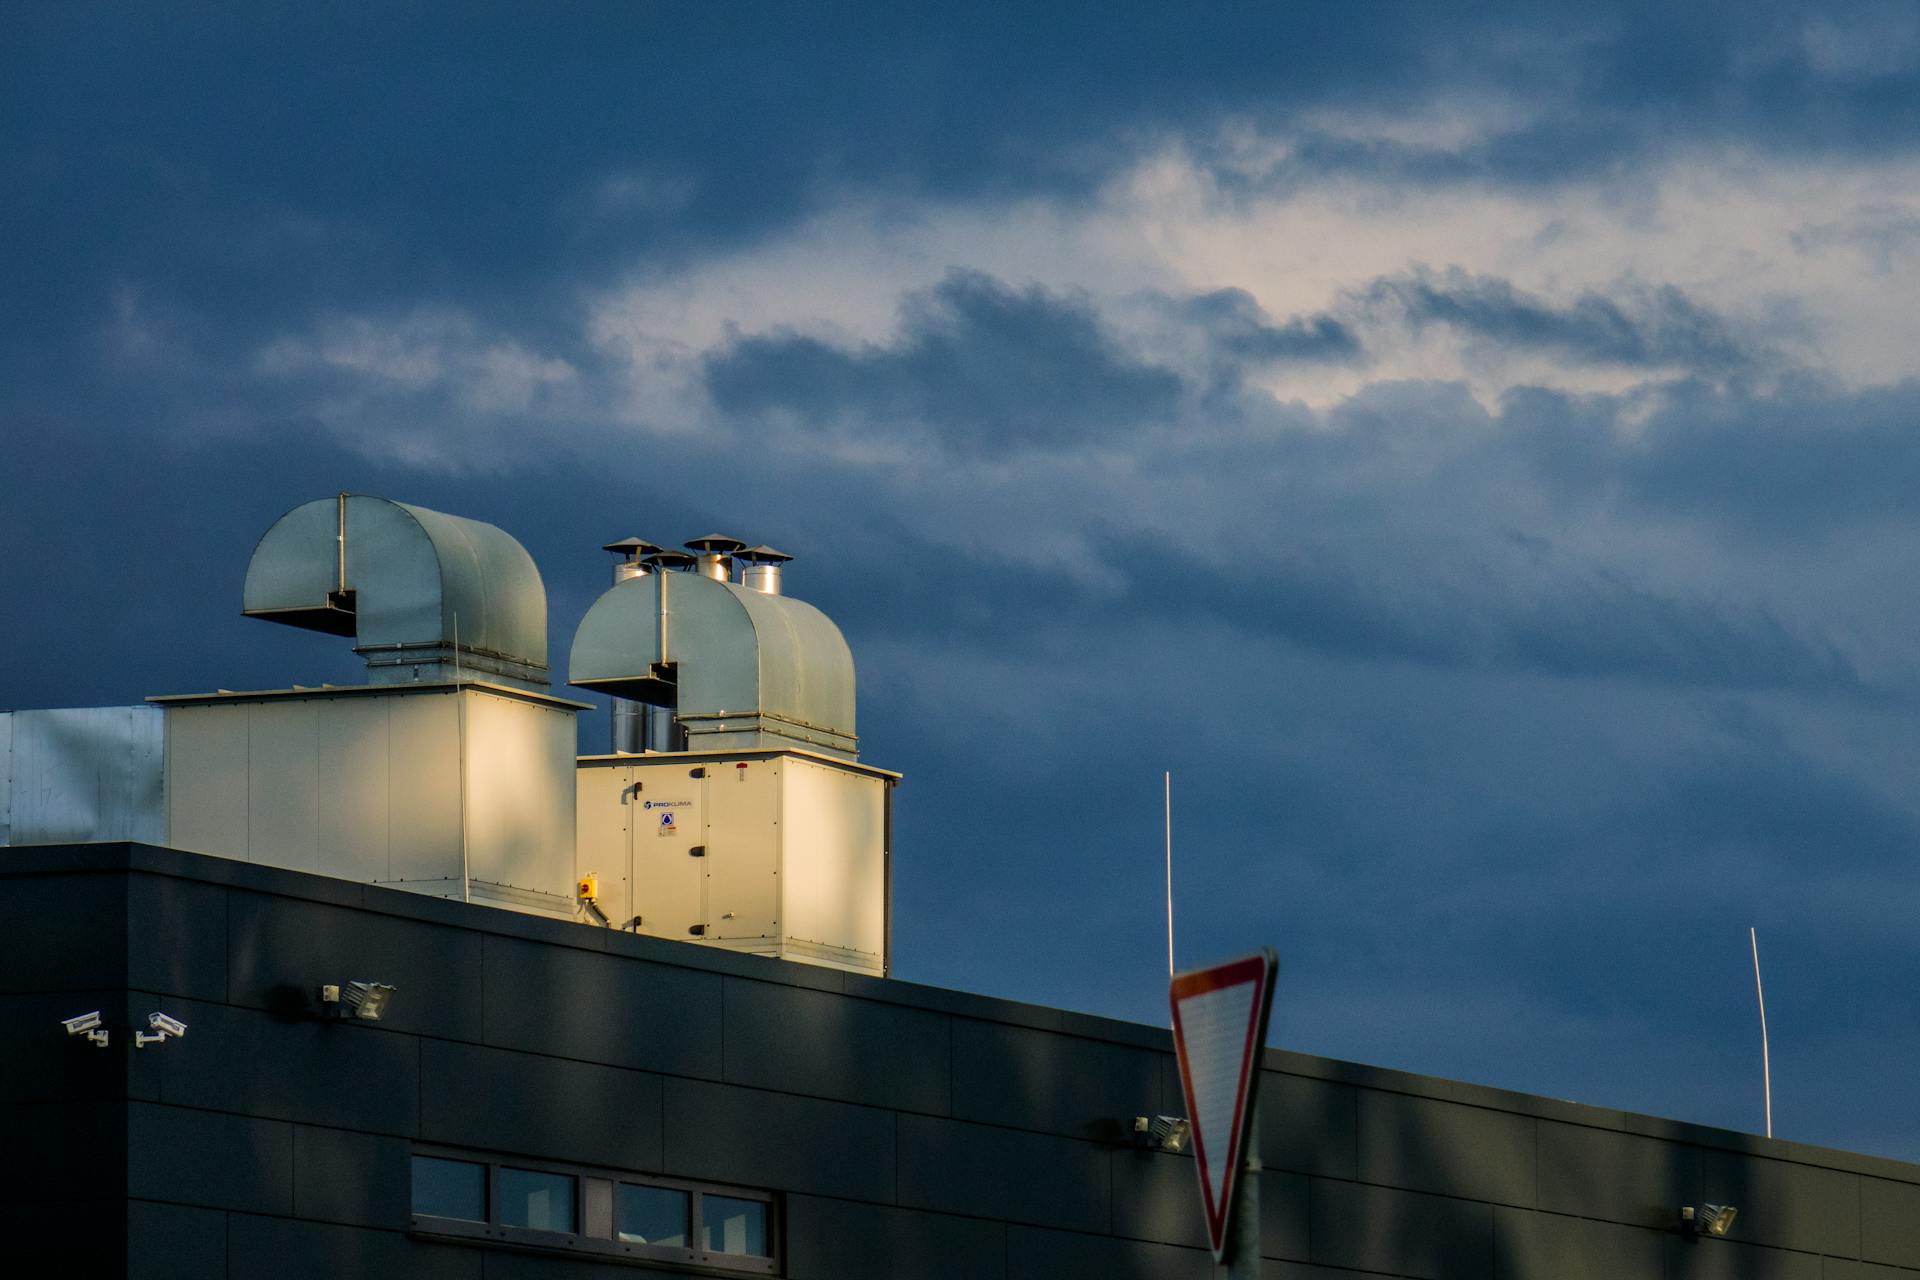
1243,1248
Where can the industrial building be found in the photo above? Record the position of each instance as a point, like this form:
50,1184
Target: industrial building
387,980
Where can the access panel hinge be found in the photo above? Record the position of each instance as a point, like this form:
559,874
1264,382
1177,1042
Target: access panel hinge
697,851
697,930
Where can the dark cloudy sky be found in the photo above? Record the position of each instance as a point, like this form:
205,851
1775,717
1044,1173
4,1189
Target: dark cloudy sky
1475,448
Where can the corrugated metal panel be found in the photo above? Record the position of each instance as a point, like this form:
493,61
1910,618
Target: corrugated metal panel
77,774
207,778
283,786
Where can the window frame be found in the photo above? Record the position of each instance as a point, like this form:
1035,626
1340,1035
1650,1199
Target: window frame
580,1241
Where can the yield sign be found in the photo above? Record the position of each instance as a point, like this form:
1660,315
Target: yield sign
1219,1026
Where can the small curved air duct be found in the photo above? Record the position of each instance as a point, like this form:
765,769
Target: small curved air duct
426,596
741,669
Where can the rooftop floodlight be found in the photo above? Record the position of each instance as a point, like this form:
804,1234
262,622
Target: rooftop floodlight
1162,1133
88,1025
163,1028
1708,1219
367,1001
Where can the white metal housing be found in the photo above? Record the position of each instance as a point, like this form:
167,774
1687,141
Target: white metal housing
458,791
780,853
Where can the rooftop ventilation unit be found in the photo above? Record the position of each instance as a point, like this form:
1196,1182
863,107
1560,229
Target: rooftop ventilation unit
426,596
739,668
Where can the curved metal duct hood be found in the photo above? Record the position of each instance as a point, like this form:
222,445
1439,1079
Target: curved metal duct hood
426,596
740,668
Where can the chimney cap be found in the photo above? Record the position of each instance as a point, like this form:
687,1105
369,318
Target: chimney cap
631,548
664,559
762,555
715,544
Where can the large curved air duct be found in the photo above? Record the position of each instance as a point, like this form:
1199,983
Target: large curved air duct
740,669
426,596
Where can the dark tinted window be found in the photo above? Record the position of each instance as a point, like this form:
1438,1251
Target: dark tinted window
449,1188
651,1215
735,1226
539,1201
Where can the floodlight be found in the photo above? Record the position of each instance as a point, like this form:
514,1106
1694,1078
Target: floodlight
1164,1133
1708,1219
88,1025
366,1000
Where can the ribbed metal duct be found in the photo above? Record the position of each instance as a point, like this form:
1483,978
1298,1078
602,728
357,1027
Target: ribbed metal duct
740,668
425,595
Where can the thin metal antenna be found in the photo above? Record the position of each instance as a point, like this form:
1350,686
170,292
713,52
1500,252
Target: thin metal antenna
460,713
1766,1068
1168,781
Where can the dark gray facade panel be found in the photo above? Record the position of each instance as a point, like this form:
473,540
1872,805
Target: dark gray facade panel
1890,1222
63,1151
503,1265
63,932
1446,1148
955,1167
780,1141
1598,1173
329,1072
1285,1218
165,957
544,998
1309,1126
1050,1082
266,1248
834,1046
1791,1206
526,1104
1528,1245
842,1240
209,1159
359,1179
1034,1253
1285,1269
1731,1260
1404,1233
170,1241
1157,1197
1844,1269
281,950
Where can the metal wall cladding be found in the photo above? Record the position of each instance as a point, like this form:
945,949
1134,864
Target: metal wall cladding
79,774
418,788
770,852
835,865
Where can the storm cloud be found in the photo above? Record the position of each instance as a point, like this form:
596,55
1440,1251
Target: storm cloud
1474,451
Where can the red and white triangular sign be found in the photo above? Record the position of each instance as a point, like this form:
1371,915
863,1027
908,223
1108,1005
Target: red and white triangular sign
1219,1027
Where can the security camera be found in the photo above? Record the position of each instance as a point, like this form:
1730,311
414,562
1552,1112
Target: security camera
163,1026
88,1025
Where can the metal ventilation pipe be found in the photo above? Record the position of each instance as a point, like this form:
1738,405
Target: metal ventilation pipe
629,717
763,568
663,560
716,555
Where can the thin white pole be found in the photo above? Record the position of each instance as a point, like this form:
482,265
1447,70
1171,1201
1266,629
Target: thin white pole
1168,781
460,719
1766,1068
